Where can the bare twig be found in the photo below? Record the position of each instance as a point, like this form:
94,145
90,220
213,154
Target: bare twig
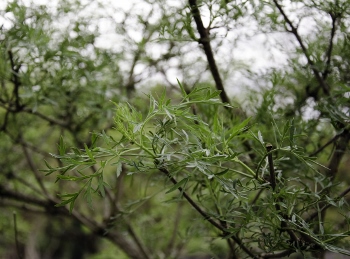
15,80
40,115
171,242
325,145
277,254
271,166
294,31
19,254
34,170
330,47
338,153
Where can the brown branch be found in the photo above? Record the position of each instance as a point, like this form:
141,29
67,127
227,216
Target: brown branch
271,166
330,47
205,41
34,170
206,216
278,254
137,241
40,115
325,145
171,243
313,215
15,80
116,237
294,31
4,124
339,151
19,254
24,182
284,225
114,203
48,119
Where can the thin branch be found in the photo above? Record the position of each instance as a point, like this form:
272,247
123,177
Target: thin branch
330,47
206,216
19,254
271,166
315,214
325,145
114,203
257,196
15,80
22,207
4,124
137,241
172,239
40,115
46,118
277,254
23,181
294,31
290,232
205,41
117,238
339,151
34,170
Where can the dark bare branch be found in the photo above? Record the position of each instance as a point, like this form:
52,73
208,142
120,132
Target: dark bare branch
205,41
294,30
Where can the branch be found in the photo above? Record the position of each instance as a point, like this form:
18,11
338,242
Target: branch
34,170
15,80
339,151
278,254
205,41
114,203
271,167
40,115
171,243
330,47
290,232
116,237
325,145
294,31
19,254
206,216
50,120
315,214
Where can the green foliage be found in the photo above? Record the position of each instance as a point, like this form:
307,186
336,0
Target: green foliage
205,159
265,178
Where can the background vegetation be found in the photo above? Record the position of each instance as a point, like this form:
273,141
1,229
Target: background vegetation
171,129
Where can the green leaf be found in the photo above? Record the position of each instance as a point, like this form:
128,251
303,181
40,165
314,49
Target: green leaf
71,200
222,172
183,182
119,169
183,91
89,153
62,147
291,134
